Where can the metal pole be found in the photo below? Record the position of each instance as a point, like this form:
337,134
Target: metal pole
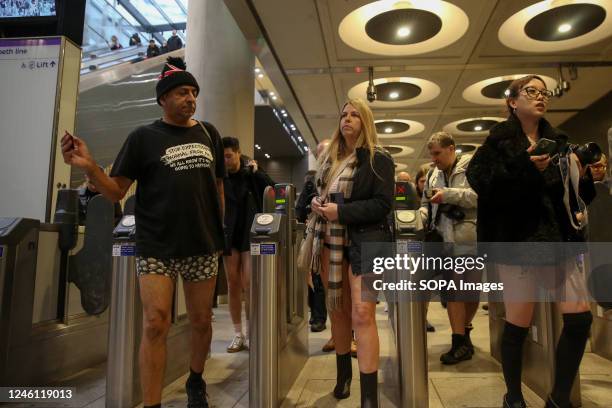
122,388
263,364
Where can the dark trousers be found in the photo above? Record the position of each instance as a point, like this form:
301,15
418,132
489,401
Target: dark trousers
316,300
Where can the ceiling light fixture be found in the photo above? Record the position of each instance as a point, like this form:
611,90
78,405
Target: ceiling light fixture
260,76
403,32
267,156
283,111
284,115
292,127
271,93
388,130
478,128
257,70
306,148
394,95
564,28
274,98
299,138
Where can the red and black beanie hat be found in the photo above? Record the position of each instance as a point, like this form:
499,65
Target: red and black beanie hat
174,74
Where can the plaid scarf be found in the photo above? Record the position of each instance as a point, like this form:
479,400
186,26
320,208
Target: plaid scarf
335,233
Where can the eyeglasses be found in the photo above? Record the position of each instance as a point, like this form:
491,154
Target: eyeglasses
533,93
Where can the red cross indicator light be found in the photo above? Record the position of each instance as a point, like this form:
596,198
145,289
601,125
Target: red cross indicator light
400,189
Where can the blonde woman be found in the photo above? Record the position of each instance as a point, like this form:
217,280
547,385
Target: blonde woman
355,183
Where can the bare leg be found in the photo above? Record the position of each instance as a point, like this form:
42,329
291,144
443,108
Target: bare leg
366,333
199,300
245,278
340,319
234,286
156,293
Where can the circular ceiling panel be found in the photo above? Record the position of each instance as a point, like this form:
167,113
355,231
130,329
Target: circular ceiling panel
496,90
476,125
399,150
565,22
400,28
396,91
397,128
405,87
403,26
491,91
552,26
472,126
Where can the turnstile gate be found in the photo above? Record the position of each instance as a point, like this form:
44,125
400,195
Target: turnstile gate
278,324
125,326
407,311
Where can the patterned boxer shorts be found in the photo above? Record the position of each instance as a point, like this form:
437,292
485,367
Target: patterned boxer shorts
191,268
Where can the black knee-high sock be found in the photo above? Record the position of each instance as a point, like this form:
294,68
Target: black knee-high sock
369,389
512,359
570,350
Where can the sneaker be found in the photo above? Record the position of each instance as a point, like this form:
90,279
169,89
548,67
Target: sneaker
458,352
353,348
329,346
237,344
317,326
196,395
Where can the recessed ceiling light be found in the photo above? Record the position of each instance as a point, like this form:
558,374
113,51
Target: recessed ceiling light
284,115
306,148
257,70
394,95
478,128
292,127
267,156
257,146
564,28
403,32
388,130
271,93
274,98
283,111
300,138
260,75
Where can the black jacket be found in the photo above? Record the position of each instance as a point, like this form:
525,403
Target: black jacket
516,202
174,43
365,213
251,201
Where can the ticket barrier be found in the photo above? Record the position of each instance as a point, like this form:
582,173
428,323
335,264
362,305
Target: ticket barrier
600,235
125,326
53,293
278,324
18,248
407,312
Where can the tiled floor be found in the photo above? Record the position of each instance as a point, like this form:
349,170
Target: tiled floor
477,383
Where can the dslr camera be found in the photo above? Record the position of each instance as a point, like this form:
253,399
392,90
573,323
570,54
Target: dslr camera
588,153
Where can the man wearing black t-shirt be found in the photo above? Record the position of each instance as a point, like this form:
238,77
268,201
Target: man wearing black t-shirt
178,163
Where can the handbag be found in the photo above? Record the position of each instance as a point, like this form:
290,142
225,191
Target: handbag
304,259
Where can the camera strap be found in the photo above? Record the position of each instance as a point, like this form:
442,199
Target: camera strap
571,175
432,225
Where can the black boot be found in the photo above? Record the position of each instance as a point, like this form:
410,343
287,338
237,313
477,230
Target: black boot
459,351
344,375
369,390
515,404
550,403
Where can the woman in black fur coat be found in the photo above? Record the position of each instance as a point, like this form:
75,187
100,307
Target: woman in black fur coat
523,197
